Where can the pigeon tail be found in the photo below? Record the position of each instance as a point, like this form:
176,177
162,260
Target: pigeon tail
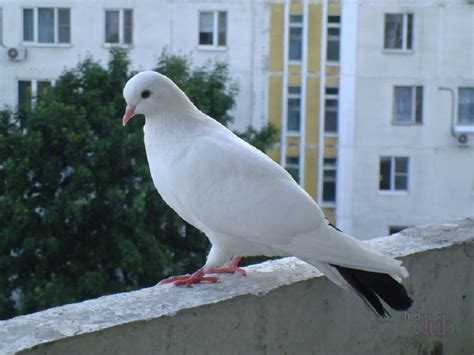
373,286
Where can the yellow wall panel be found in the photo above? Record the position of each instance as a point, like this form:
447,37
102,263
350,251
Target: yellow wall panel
330,147
294,69
310,177
330,214
312,110
332,70
292,151
274,153
334,8
276,38
332,81
294,80
274,100
296,8
314,37
293,140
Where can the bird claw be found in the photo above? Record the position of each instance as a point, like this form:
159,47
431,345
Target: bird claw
229,270
188,279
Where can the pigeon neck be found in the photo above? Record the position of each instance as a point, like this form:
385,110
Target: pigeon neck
174,121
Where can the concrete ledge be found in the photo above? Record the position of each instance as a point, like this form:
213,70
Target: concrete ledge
283,306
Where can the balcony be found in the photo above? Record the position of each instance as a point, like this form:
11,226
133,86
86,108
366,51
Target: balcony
282,306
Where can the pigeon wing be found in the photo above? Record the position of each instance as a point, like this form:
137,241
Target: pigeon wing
229,187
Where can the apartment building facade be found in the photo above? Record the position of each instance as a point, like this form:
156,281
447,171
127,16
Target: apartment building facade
406,143
303,79
52,35
283,54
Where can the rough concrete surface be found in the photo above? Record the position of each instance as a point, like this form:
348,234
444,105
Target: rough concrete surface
281,307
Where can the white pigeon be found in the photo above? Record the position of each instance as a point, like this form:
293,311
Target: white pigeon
243,201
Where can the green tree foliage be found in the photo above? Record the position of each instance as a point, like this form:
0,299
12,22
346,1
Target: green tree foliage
79,215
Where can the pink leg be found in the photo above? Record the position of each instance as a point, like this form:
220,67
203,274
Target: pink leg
230,267
197,277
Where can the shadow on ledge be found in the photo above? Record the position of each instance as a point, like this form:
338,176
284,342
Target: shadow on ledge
282,307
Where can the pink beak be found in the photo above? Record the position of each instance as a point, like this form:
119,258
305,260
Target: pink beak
129,113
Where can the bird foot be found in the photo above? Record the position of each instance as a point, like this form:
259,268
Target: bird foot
189,279
231,267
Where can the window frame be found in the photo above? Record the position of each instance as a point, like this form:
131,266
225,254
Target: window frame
294,96
405,31
298,25
34,85
415,89
399,228
336,25
296,167
35,42
458,108
392,190
215,31
327,167
327,97
121,29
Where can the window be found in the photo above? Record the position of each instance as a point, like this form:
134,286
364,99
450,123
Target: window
119,26
293,167
294,109
408,104
393,174
466,106
331,110
24,95
47,25
334,36
28,90
396,229
213,28
398,32
329,180
295,50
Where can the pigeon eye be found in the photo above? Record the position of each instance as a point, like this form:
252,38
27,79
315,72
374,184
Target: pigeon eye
146,94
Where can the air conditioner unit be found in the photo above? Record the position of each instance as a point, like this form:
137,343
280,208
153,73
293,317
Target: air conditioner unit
463,133
463,139
15,54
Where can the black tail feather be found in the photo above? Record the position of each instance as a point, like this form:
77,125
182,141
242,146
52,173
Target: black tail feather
371,286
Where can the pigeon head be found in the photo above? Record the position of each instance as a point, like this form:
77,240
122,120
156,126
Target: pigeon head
149,93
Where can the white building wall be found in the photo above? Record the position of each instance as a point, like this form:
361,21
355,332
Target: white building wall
440,172
156,25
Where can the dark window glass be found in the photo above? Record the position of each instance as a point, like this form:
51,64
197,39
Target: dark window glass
293,167
295,50
127,26
409,31
332,53
419,105
112,26
28,35
24,95
385,173
393,31
64,26
396,229
43,87
222,29
206,28
332,91
466,106
329,180
331,115
46,25
294,114
403,104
